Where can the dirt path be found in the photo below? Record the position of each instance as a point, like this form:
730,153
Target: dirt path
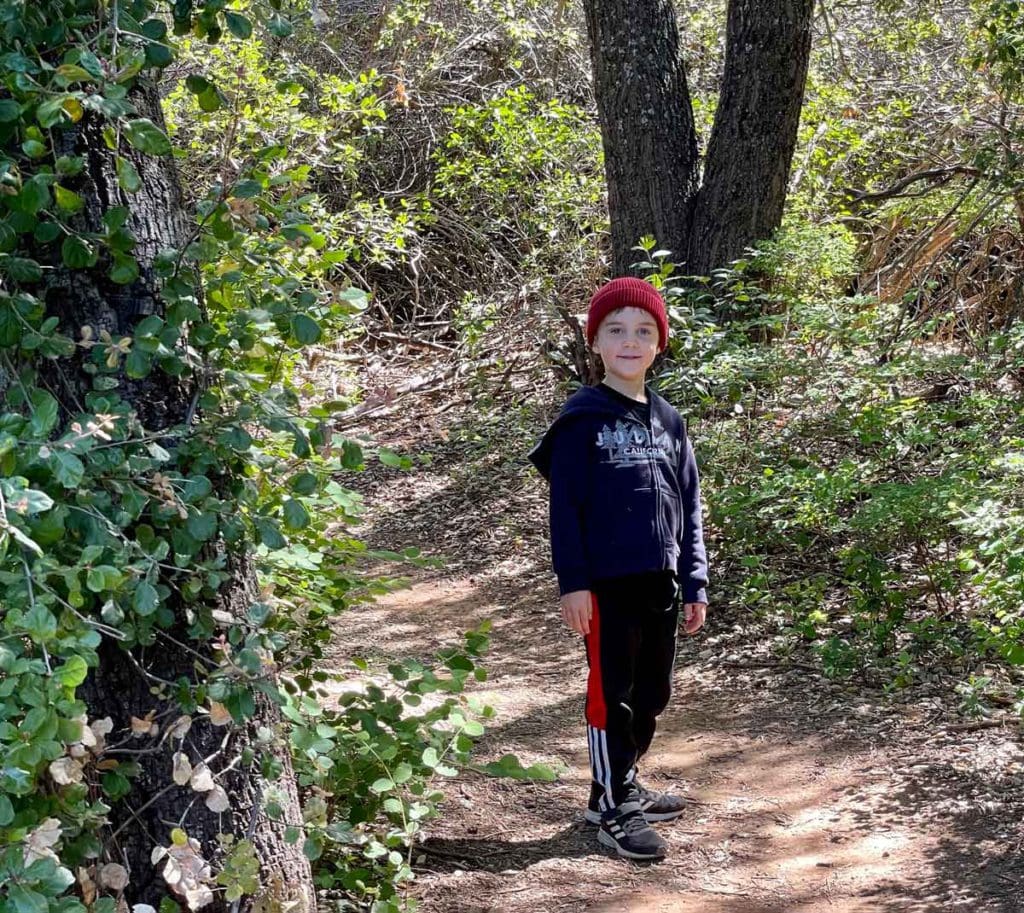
809,796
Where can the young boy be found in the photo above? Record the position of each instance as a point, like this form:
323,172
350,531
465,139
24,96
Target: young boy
627,547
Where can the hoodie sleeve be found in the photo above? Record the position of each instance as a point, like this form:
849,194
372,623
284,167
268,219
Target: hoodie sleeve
569,471
692,568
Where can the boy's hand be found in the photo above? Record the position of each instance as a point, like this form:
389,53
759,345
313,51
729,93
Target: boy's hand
694,614
576,608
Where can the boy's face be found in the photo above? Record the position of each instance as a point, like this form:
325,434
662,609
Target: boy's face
627,341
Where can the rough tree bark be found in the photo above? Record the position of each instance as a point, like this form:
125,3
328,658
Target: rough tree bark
119,688
746,169
649,140
650,144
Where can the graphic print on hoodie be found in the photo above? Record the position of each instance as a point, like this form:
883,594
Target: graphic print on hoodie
625,495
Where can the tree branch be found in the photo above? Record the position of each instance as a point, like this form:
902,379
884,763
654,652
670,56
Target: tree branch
940,175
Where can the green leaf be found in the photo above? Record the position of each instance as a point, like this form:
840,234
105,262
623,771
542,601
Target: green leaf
67,469
304,483
19,536
295,514
69,165
73,672
238,25
154,30
197,84
403,773
103,578
40,624
30,501
145,600
69,72
201,526
24,900
35,195
34,149
67,200
45,232
147,137
127,176
158,55
235,437
383,785
270,535
115,217
45,411
21,269
247,189
305,329
390,458
355,299
51,112
90,62
1014,654
10,110
138,364
77,253
8,238
209,100
279,26
125,269
6,811
509,766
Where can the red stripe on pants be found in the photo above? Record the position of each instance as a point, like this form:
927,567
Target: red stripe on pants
597,710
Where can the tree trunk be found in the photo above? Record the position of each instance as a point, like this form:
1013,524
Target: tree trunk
650,144
128,685
746,169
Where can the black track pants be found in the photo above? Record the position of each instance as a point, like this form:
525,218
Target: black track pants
630,650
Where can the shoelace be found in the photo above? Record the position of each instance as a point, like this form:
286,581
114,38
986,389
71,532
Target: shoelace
648,795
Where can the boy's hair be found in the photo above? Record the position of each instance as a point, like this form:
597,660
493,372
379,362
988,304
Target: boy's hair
627,292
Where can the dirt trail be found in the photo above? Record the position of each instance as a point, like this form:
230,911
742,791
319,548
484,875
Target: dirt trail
809,796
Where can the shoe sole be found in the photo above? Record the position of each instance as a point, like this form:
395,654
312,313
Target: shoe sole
592,817
606,839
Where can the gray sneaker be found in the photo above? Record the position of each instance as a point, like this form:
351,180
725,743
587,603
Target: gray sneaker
626,831
656,806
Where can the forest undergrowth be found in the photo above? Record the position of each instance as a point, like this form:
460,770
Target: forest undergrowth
868,770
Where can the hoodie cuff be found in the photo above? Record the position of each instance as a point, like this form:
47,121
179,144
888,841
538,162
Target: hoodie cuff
572,581
695,593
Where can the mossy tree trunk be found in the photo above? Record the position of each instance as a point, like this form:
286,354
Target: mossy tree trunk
135,684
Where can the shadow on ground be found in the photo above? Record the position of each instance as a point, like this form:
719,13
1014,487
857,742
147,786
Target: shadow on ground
809,796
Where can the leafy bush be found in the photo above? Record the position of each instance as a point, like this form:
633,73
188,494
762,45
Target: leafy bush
869,506
120,529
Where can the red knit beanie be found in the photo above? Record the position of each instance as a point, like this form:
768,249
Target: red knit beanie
627,292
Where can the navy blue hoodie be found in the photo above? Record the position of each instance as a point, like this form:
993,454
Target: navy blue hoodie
625,497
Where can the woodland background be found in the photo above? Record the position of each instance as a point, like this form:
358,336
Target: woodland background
221,223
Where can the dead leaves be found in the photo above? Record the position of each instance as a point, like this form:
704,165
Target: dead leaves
40,841
181,768
186,872
65,771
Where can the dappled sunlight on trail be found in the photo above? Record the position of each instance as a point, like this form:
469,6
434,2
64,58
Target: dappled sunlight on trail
788,816
809,796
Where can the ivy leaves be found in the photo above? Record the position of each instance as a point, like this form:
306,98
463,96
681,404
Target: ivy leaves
145,136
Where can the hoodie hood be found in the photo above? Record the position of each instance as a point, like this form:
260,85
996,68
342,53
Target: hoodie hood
591,401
